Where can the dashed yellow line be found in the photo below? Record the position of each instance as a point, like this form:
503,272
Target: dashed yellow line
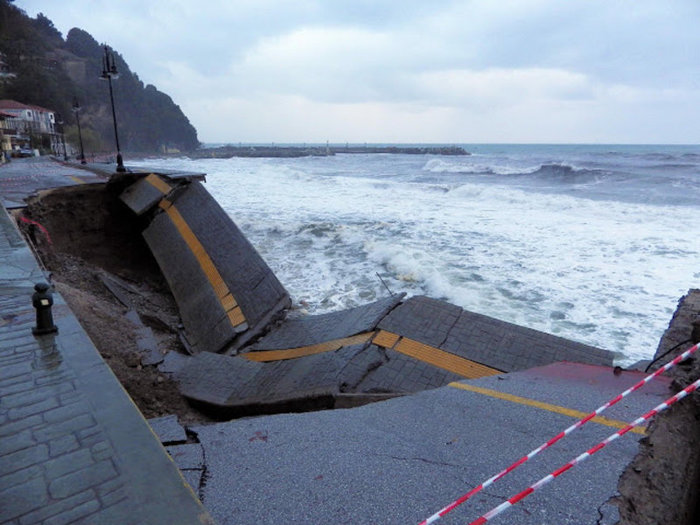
545,406
228,302
76,179
433,356
302,351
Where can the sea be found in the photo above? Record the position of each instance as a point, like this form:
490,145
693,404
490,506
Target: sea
594,243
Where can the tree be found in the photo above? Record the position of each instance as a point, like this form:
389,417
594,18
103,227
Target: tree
51,72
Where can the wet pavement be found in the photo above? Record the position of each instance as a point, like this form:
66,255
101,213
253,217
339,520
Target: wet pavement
21,177
401,460
73,446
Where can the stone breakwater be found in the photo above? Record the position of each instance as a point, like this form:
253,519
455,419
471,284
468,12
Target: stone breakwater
225,152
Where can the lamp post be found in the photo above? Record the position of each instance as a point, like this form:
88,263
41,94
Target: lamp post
109,71
63,139
61,136
76,110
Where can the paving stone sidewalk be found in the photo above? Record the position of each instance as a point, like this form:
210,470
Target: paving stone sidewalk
22,177
73,446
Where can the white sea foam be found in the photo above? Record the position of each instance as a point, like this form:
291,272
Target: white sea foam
604,272
468,165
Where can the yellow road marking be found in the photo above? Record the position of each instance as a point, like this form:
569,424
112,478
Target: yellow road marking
302,351
158,183
546,406
386,339
76,179
228,302
433,356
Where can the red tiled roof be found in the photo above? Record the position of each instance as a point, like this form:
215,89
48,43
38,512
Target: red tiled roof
13,104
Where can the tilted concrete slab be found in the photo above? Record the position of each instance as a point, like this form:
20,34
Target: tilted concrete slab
225,292
207,325
249,278
423,319
145,193
316,329
492,342
234,386
401,348
402,374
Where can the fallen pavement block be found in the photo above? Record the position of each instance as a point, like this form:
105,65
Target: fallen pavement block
168,429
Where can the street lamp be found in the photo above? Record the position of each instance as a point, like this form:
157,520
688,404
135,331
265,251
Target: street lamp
55,145
63,139
76,110
109,71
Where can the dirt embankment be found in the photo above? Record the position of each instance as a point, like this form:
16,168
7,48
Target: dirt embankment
662,484
92,239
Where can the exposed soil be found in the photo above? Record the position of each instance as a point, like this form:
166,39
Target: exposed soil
662,484
93,236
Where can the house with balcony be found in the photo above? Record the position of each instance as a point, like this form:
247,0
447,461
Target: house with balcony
21,122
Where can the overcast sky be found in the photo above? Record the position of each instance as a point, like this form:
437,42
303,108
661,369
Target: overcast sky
462,71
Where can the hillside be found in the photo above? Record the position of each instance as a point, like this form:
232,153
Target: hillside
50,71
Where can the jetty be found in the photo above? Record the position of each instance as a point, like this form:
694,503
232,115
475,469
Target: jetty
386,412
263,150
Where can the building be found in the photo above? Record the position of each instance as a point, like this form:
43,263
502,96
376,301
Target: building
22,121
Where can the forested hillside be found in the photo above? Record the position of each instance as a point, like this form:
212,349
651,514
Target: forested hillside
50,71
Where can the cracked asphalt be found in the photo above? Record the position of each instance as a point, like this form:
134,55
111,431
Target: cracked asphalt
401,460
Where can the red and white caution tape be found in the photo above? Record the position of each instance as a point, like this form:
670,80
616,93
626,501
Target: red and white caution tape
435,517
35,223
532,488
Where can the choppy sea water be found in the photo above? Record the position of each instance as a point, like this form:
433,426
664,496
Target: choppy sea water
591,243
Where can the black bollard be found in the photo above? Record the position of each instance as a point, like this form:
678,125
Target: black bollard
42,301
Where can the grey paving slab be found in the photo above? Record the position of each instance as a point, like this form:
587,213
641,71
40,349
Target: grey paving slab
422,318
141,196
173,362
239,386
251,282
316,329
168,429
236,386
73,446
248,277
401,460
401,374
22,177
205,321
486,340
509,347
214,378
